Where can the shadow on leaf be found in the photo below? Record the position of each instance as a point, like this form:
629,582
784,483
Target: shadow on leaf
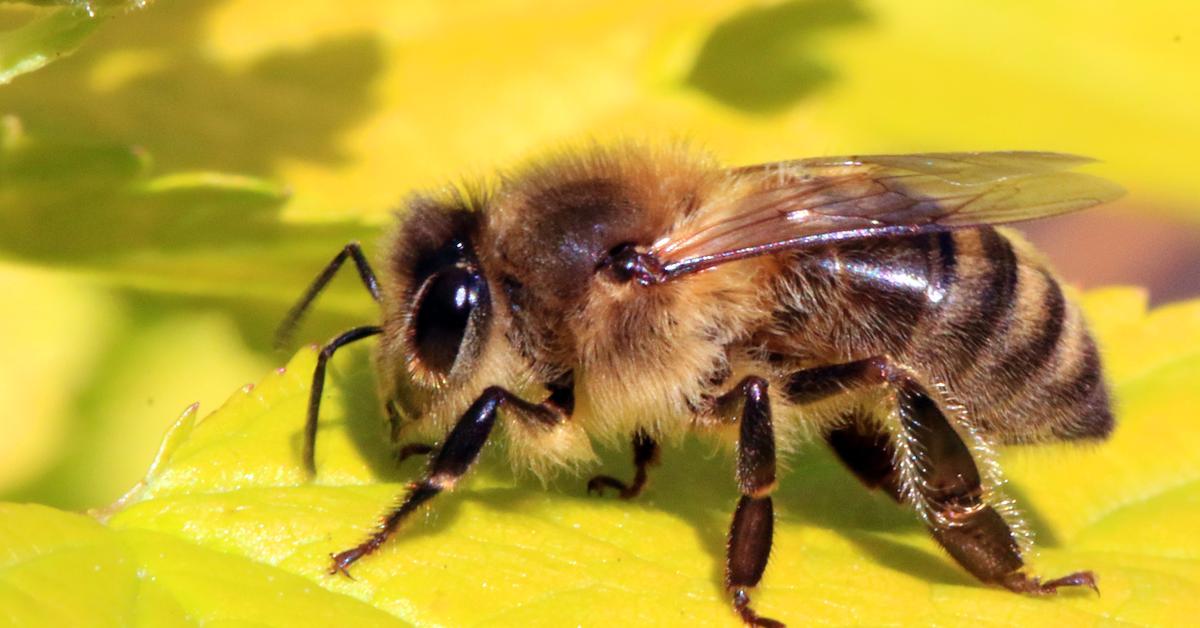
694,483
147,78
761,59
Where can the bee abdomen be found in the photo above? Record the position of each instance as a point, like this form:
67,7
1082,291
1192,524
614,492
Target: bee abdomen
968,308
982,304
1082,389
1024,356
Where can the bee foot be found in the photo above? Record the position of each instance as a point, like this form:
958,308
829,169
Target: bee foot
600,482
741,604
1022,583
343,560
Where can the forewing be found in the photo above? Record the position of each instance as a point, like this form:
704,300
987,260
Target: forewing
799,203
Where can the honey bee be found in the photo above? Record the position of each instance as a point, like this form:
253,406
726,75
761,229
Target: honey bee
638,292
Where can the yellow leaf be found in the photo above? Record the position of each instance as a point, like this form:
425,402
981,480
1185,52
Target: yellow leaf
226,511
89,378
52,340
354,106
62,569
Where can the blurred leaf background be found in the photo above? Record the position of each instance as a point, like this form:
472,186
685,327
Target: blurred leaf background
166,190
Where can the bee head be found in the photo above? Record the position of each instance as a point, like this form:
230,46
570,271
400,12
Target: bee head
439,309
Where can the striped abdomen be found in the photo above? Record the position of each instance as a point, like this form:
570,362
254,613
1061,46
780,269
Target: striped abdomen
969,309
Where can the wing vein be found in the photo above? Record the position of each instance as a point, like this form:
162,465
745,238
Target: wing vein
816,202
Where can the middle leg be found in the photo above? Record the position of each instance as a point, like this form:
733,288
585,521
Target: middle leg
396,428
645,453
753,525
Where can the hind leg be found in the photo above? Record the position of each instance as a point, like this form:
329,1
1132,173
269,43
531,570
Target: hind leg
946,483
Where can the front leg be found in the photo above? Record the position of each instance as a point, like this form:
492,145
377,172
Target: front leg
754,520
309,446
452,461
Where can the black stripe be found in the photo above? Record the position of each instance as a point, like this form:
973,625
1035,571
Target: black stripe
1083,382
1084,396
947,262
994,302
1020,364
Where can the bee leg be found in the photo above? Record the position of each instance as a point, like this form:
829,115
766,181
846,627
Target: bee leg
412,449
754,519
318,387
866,449
292,318
971,530
395,421
645,453
404,452
947,486
455,457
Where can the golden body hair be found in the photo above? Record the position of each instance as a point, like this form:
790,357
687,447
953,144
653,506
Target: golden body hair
971,311
644,293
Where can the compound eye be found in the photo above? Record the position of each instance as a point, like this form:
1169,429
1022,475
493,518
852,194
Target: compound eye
444,309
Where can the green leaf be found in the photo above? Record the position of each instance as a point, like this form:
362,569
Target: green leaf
225,524
98,208
93,6
51,35
355,107
144,265
42,40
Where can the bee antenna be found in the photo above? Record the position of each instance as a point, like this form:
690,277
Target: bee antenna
283,333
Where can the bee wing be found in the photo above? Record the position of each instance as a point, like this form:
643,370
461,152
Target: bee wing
807,202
